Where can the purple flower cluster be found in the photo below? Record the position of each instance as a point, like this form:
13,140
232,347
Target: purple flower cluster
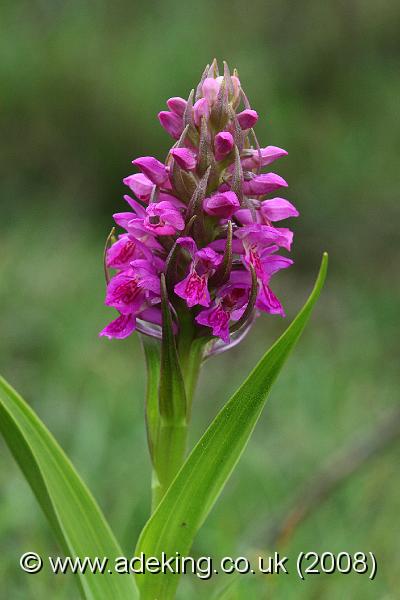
203,218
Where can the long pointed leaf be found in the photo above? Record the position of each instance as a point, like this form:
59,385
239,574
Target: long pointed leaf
198,484
74,516
152,354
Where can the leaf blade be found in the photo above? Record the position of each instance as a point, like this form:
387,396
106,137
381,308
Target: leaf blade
151,349
198,484
74,516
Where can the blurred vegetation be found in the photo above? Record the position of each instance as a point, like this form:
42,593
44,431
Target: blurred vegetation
81,84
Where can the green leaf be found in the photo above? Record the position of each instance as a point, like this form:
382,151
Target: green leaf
151,349
198,484
74,516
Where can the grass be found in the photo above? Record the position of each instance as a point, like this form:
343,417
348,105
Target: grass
338,383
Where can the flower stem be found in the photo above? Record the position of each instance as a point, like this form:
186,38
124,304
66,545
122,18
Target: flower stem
168,458
167,431
191,361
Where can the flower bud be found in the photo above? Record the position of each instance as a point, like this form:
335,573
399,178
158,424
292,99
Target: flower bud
223,144
277,209
260,158
200,109
152,168
263,184
236,86
177,105
247,118
171,122
185,158
221,205
210,89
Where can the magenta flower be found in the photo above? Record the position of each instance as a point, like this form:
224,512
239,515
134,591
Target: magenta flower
218,319
267,211
263,184
193,288
152,168
277,209
203,218
221,205
223,144
247,118
264,236
172,123
120,328
209,258
140,185
124,325
185,158
201,109
210,89
163,218
124,293
268,302
229,305
177,105
236,88
262,157
124,251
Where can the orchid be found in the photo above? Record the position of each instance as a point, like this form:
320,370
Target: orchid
208,188
191,269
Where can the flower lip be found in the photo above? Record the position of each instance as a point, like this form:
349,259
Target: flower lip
216,318
120,254
193,289
163,218
120,328
124,294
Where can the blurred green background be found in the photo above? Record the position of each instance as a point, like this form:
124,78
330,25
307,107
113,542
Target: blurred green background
81,83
